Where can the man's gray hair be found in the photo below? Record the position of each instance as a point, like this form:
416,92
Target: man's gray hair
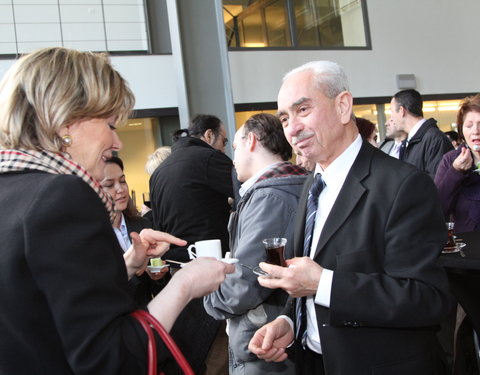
330,78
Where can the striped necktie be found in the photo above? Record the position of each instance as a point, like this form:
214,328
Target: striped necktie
312,205
401,153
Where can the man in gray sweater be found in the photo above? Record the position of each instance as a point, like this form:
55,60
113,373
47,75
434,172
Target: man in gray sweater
270,190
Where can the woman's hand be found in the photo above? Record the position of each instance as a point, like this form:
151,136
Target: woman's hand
203,276
195,279
464,161
157,275
149,243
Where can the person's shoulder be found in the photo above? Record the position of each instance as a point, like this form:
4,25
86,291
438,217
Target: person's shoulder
290,180
452,154
431,129
282,186
57,183
218,158
384,163
64,194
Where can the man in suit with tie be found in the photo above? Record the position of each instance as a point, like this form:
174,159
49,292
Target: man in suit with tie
393,142
368,292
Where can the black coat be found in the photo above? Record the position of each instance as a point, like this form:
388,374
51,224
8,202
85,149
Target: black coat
427,147
63,283
189,194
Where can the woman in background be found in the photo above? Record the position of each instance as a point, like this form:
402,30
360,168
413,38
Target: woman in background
156,158
367,130
63,281
127,220
457,177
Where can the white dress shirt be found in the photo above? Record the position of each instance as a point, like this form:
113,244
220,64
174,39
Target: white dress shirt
122,235
415,129
395,150
334,176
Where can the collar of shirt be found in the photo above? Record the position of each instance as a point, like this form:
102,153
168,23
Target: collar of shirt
395,150
122,234
334,176
251,181
415,129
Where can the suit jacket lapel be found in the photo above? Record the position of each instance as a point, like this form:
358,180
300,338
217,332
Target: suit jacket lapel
348,197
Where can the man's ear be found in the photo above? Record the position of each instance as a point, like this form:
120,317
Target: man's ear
208,136
252,141
345,106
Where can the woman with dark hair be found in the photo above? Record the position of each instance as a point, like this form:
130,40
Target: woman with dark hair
367,130
457,177
127,220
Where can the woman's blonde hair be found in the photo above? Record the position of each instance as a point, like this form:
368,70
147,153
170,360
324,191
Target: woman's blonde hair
157,158
54,87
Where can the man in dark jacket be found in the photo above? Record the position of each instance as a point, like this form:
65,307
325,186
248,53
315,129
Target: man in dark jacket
189,191
426,143
189,194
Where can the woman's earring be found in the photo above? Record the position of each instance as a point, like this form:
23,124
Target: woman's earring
67,140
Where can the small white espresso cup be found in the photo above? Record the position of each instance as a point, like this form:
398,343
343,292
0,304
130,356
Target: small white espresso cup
207,248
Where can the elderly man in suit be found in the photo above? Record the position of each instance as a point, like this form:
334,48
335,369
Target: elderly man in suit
369,294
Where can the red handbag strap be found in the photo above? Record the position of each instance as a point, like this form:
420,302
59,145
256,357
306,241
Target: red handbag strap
152,346
147,321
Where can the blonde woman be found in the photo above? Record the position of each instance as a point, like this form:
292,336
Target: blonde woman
65,297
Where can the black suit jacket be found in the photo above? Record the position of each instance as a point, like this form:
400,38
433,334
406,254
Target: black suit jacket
63,283
382,240
189,193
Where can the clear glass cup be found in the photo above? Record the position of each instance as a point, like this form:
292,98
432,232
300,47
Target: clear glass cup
275,250
451,238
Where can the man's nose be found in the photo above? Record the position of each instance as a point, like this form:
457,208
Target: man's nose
294,127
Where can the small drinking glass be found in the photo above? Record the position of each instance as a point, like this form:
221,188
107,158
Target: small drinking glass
450,246
451,238
275,250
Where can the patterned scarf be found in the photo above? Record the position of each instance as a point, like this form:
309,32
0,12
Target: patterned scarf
54,163
282,170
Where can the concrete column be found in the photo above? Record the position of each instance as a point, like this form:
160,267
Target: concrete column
381,120
200,54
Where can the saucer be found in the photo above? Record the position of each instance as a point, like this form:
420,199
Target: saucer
229,260
454,249
155,269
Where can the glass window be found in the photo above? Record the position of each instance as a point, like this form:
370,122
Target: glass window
252,30
296,23
96,26
276,21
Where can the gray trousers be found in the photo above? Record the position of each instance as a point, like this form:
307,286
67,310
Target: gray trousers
259,366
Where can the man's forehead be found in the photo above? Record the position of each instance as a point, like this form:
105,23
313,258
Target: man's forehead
239,132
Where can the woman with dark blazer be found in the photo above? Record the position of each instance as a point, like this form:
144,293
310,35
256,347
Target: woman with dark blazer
64,288
145,285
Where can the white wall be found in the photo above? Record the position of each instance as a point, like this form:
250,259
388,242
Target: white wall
434,39
151,78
